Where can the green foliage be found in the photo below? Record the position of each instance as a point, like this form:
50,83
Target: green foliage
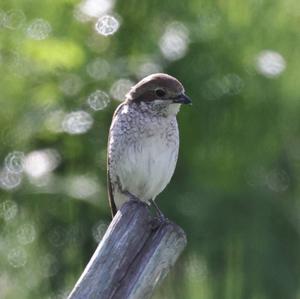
236,186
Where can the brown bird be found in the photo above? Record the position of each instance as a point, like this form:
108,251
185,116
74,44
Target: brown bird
143,140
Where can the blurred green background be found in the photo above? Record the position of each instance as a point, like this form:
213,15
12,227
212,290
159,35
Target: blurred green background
64,67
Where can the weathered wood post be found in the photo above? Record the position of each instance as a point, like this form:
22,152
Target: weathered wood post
133,257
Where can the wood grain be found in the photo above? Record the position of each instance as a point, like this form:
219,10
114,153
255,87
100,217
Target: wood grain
133,257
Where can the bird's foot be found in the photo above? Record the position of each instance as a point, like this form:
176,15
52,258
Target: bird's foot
158,221
131,196
160,218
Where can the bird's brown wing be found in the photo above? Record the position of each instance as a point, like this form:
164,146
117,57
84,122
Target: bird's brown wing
112,204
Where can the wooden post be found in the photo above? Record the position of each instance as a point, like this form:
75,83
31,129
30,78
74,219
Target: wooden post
133,257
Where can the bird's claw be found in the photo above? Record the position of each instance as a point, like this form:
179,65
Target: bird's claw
158,221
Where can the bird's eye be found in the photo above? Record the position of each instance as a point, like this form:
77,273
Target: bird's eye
160,92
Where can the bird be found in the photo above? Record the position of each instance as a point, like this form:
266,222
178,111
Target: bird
143,141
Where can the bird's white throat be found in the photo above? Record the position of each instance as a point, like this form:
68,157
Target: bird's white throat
172,109
162,107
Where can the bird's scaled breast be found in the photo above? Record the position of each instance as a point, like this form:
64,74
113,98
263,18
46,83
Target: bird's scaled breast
147,165
143,151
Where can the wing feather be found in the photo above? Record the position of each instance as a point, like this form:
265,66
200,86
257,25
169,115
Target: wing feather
112,204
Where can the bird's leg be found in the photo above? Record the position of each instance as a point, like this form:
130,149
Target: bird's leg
159,213
160,218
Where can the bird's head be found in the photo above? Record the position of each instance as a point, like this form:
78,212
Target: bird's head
160,92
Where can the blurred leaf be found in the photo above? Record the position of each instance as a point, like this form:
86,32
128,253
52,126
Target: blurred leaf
53,53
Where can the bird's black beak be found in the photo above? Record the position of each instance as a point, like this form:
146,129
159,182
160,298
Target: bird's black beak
182,99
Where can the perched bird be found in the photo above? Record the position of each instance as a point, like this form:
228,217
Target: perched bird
143,140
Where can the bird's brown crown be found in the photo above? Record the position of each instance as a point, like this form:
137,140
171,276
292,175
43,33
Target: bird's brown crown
155,86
